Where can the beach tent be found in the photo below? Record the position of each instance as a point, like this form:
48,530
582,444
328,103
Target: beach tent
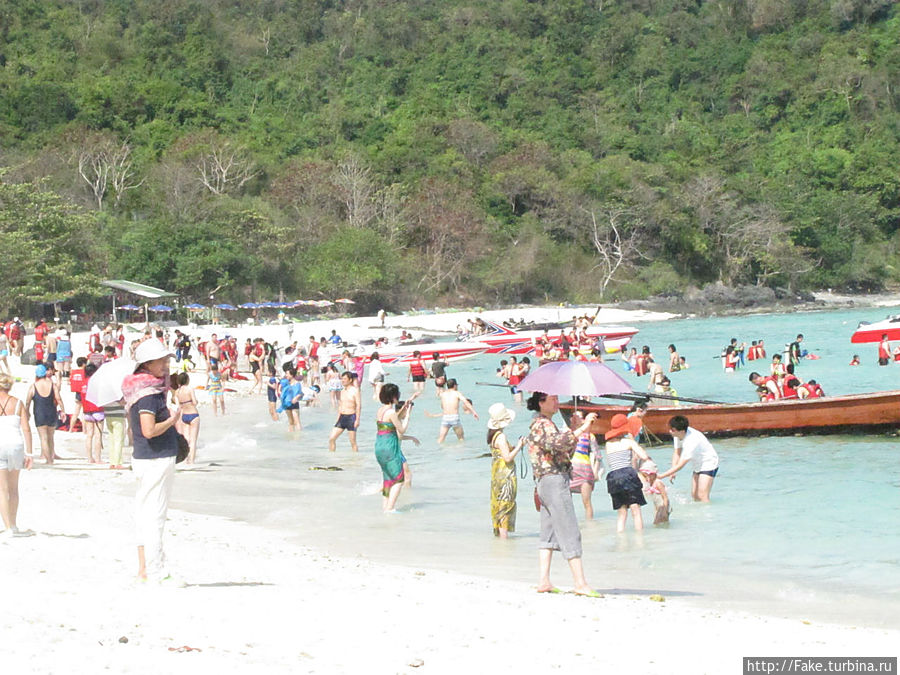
134,288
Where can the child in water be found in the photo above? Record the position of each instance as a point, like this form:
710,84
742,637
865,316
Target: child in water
855,360
655,491
272,396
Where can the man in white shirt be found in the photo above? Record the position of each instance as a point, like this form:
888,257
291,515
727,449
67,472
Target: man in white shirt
692,446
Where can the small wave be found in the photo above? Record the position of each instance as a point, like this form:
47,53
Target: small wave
368,489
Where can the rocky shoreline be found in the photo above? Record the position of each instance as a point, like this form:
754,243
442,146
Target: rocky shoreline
720,300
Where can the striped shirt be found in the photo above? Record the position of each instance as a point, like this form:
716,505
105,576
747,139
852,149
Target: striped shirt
618,453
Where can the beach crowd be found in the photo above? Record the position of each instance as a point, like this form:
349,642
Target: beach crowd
155,410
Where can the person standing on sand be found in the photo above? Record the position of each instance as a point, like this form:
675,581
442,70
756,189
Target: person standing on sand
153,459
92,422
213,351
47,407
381,316
550,451
4,353
450,402
186,399
349,413
691,445
215,389
15,454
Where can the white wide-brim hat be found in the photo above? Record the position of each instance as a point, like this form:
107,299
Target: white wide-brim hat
150,350
500,416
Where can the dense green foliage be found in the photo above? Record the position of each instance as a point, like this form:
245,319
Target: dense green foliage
416,151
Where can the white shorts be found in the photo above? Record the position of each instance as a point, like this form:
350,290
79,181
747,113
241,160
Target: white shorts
12,457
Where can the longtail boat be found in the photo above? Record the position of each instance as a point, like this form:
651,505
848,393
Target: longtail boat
853,413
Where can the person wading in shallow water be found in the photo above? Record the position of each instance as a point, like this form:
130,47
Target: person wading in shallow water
349,413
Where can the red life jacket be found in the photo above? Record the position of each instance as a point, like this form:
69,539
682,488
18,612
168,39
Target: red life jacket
313,350
416,369
787,390
884,350
772,378
815,391
76,380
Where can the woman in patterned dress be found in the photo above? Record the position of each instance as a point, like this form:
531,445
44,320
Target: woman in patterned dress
503,470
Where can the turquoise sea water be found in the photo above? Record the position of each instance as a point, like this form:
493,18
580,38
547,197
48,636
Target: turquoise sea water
799,526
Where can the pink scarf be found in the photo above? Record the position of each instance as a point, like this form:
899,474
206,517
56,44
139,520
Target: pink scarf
138,385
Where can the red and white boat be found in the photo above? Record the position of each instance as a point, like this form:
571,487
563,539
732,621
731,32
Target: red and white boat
872,332
503,340
388,354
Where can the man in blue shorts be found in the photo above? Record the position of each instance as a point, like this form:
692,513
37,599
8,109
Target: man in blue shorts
349,413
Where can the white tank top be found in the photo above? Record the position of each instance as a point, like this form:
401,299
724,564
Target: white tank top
11,430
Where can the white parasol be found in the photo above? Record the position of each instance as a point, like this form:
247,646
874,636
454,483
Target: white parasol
105,386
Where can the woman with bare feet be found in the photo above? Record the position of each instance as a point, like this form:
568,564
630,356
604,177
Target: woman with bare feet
15,454
190,415
550,451
93,422
47,407
392,425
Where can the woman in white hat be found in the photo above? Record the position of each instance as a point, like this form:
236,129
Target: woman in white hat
503,470
154,451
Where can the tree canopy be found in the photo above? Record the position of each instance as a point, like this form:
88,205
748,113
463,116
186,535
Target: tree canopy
419,152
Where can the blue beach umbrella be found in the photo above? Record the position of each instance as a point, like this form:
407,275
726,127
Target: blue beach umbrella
130,308
160,308
194,306
249,305
226,306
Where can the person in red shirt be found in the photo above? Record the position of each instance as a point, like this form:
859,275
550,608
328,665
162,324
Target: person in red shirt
417,372
884,351
312,351
855,360
77,385
93,420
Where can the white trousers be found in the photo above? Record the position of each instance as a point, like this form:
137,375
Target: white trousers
151,502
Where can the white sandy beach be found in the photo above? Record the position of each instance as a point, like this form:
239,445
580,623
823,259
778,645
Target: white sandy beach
254,601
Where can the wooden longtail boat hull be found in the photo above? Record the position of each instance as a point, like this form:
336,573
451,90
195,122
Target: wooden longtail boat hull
855,413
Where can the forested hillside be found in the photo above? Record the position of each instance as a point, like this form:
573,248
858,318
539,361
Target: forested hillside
447,151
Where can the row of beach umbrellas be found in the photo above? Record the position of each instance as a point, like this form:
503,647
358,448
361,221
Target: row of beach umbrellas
248,305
